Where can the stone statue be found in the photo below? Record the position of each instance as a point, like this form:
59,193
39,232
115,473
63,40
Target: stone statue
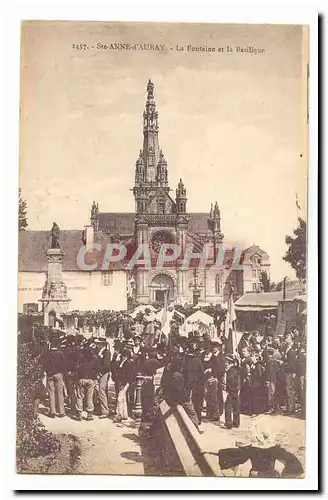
55,236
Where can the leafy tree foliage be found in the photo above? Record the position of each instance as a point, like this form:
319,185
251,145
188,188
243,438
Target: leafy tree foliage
32,438
22,213
265,281
296,251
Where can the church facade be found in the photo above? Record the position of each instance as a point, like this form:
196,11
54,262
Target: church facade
182,256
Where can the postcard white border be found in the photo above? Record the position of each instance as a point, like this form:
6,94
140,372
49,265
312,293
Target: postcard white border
240,12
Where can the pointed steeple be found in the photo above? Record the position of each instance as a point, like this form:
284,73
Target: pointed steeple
214,220
161,175
181,190
150,130
94,218
181,198
216,214
211,211
140,169
151,171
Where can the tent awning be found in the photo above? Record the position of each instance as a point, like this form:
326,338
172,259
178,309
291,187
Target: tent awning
255,308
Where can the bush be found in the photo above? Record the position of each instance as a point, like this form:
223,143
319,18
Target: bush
32,438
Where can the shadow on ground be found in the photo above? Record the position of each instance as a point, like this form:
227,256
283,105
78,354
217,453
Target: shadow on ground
134,456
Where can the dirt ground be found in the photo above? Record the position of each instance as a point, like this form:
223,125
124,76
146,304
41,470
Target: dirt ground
105,447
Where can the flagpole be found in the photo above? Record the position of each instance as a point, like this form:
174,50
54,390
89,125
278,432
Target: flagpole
234,338
297,208
230,328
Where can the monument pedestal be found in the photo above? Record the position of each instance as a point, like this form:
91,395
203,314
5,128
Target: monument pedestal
54,295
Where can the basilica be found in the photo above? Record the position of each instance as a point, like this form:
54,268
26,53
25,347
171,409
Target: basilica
161,216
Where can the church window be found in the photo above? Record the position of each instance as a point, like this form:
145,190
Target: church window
106,278
161,206
159,238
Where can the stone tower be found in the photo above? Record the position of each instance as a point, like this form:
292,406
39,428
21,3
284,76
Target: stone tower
159,218
54,294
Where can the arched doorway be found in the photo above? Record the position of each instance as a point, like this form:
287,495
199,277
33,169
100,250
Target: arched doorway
161,288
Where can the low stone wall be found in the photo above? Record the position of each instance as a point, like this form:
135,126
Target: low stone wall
181,445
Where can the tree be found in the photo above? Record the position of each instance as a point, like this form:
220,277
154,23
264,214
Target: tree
32,438
296,251
265,282
22,213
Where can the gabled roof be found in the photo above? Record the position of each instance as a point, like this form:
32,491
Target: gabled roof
255,249
160,191
251,251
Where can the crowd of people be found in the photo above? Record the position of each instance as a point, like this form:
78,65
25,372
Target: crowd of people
266,375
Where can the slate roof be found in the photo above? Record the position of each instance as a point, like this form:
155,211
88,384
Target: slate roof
117,222
33,245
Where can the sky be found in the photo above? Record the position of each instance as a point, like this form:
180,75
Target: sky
232,125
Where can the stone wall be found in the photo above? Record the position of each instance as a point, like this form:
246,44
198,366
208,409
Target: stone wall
86,290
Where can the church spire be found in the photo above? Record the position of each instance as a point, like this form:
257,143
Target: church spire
216,214
151,154
211,212
181,198
214,220
140,170
94,216
161,175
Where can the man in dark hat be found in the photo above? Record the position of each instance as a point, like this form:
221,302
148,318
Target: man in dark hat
193,372
71,368
232,387
87,376
174,387
290,368
162,354
245,379
149,369
270,378
138,353
301,373
211,384
55,367
115,362
218,370
257,392
104,374
130,394
124,377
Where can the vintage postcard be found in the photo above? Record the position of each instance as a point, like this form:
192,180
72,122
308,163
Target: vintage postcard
162,276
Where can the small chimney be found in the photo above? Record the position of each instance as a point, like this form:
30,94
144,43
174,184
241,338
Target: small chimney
89,237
